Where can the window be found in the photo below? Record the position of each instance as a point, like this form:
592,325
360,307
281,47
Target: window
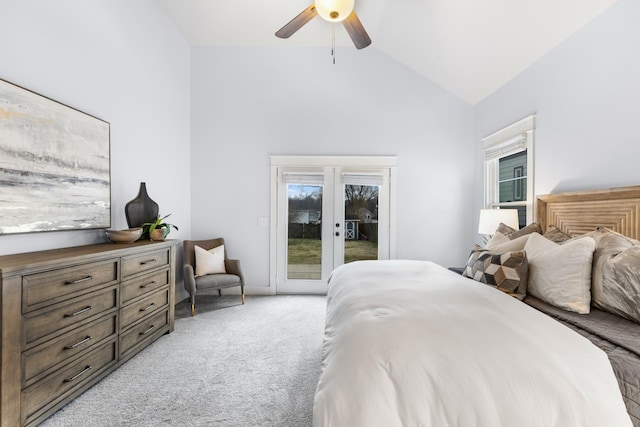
508,167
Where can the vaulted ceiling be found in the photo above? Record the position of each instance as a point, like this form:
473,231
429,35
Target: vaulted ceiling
469,47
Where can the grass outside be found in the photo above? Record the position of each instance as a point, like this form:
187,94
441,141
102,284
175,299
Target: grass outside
309,251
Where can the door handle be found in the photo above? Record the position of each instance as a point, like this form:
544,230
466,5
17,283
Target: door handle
337,233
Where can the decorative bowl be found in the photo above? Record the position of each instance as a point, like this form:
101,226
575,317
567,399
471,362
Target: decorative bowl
124,236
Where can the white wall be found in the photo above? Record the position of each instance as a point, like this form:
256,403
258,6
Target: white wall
207,119
586,93
250,103
124,62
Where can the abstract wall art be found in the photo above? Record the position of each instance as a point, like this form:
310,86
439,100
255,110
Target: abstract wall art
54,165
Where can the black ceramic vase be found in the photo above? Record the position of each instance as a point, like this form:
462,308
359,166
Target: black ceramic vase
141,209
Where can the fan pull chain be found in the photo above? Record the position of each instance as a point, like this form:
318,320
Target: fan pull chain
333,42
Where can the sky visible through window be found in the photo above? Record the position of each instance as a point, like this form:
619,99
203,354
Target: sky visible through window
302,191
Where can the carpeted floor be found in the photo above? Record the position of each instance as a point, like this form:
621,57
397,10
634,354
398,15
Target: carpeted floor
229,366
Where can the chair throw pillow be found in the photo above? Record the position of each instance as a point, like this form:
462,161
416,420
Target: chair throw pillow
505,271
210,261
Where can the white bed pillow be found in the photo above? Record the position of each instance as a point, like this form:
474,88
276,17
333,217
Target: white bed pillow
497,239
209,261
504,244
561,274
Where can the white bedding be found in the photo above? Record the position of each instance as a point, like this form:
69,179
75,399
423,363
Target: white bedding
409,343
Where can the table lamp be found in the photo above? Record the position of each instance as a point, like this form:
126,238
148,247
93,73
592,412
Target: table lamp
490,219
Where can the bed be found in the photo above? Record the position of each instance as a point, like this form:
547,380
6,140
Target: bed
410,343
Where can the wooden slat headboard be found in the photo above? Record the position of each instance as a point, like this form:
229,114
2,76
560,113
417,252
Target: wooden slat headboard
617,209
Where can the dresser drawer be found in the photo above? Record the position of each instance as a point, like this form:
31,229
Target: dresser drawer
140,263
140,309
52,286
38,324
144,331
64,380
65,347
133,288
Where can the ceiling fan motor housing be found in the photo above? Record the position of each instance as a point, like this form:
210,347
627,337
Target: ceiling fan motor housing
334,10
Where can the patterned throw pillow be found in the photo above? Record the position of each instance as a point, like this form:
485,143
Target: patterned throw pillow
506,271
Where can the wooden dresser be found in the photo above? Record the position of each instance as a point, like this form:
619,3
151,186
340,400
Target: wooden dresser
71,316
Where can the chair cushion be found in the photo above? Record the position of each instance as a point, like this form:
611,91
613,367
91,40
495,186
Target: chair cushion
217,281
209,261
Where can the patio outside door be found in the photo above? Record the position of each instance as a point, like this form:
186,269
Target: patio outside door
326,216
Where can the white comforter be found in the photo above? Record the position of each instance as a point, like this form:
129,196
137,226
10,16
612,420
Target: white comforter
409,343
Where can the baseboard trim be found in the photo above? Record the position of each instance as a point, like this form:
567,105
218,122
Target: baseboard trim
248,290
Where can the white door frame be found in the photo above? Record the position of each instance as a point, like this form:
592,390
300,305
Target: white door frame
278,163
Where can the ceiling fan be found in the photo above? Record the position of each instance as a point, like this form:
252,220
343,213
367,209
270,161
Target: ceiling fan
332,11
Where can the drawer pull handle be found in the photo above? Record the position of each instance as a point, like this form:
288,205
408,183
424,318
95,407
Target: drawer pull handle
149,261
152,305
84,310
75,282
79,374
151,328
148,284
72,346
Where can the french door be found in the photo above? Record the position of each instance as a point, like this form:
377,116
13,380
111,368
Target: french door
329,211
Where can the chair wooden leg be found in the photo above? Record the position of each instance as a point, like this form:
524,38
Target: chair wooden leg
243,297
193,310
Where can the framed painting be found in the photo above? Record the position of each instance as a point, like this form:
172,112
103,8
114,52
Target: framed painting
54,165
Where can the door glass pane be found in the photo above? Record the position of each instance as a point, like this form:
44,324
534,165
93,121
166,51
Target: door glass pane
304,244
360,222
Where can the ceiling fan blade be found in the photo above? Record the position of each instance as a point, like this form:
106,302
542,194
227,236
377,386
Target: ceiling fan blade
356,31
296,23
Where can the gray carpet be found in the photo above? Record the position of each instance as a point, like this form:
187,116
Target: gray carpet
230,365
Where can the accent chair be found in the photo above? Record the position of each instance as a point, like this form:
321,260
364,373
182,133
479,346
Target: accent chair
209,283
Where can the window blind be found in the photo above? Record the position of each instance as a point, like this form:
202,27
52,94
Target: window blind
362,179
303,178
510,146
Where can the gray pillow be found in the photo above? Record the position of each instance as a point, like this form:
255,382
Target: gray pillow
556,235
512,233
616,274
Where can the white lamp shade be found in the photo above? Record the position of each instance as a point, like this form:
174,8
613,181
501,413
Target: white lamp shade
334,10
490,219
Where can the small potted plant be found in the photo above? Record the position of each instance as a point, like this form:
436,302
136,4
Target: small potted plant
158,229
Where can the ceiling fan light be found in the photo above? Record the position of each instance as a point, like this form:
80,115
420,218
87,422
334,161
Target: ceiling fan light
334,10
